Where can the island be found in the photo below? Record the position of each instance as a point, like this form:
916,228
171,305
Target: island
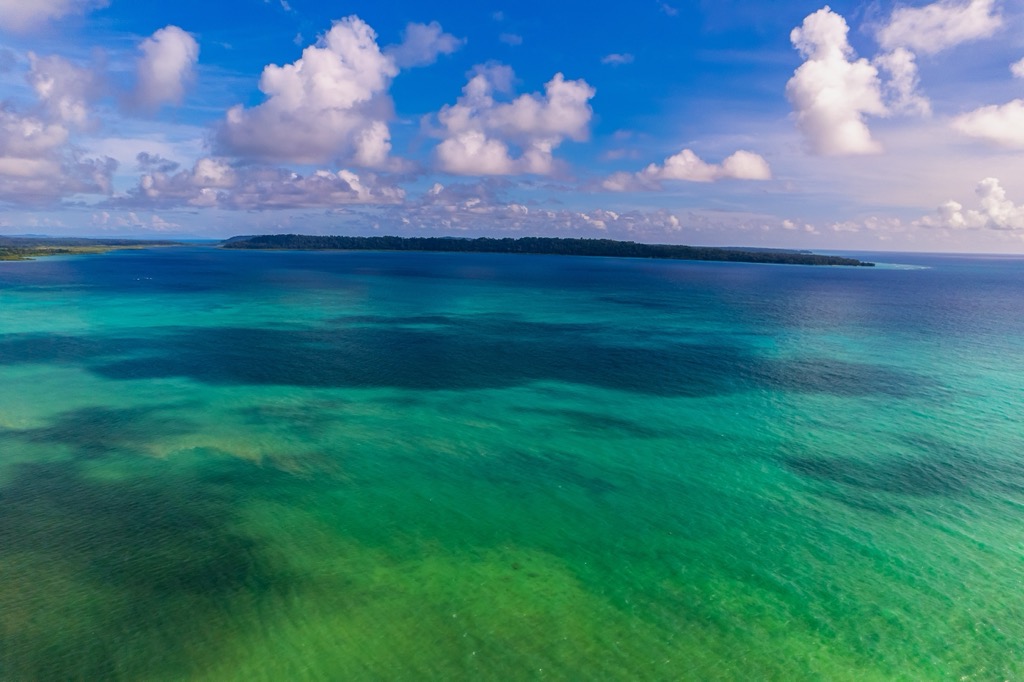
558,246
27,248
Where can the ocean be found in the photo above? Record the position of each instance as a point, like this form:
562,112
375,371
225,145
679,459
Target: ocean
239,465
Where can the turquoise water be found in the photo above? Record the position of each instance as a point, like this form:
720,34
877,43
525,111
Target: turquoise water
266,466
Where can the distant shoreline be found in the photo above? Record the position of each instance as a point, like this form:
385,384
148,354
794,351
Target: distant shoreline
538,246
30,248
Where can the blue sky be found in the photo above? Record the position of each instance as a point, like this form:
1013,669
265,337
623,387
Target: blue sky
856,125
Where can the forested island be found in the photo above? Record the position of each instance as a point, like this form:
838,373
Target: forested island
538,245
27,248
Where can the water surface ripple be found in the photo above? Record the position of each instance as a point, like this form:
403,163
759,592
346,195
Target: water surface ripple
230,465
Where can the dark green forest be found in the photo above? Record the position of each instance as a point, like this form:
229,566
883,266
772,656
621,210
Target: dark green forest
538,245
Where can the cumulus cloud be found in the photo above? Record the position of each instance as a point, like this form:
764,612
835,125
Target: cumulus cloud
330,103
940,25
422,44
63,88
994,212
215,183
37,165
24,15
687,166
901,88
165,68
155,163
616,59
481,135
1002,125
1017,69
25,141
830,93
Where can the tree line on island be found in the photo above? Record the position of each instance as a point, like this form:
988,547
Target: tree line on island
555,246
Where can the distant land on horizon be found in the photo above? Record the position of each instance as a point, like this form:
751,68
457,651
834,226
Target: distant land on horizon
538,246
29,247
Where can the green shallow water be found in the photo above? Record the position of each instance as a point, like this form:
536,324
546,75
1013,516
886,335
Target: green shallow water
266,466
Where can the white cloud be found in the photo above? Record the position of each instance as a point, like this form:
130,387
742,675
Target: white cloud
372,145
108,221
24,15
668,9
883,227
1002,125
472,153
1017,69
332,102
214,183
616,59
513,39
901,88
160,225
63,88
744,165
940,25
165,67
831,94
687,166
27,137
281,188
38,166
479,132
422,44
625,182
994,212
479,208
794,226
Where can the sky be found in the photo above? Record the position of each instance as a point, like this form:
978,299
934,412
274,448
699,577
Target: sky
881,125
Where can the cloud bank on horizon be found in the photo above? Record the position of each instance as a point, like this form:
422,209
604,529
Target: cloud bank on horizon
849,125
